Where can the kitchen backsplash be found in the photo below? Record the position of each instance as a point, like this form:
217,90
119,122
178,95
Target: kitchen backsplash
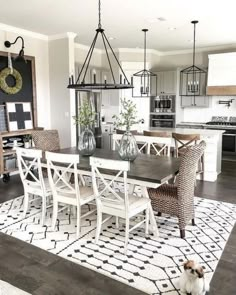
214,109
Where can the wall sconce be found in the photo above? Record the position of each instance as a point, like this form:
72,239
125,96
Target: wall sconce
20,56
226,102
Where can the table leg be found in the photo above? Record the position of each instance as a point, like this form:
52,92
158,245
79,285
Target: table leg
153,223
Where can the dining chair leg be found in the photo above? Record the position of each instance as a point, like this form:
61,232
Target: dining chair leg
99,226
131,189
26,204
193,222
117,222
54,215
147,222
78,221
126,235
44,206
182,233
153,222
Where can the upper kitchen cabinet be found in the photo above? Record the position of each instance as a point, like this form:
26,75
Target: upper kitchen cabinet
197,101
166,83
109,97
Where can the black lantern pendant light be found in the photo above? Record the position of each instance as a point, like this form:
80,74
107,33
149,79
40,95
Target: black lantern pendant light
145,76
193,79
81,84
20,56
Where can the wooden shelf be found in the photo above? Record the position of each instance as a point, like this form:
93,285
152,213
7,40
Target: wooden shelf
9,152
19,132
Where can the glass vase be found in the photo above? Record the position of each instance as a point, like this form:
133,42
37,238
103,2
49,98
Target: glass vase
87,143
128,149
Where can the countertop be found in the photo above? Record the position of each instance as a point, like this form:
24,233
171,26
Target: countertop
205,126
202,132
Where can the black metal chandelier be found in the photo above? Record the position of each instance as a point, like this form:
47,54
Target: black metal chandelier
193,78
144,76
81,84
20,56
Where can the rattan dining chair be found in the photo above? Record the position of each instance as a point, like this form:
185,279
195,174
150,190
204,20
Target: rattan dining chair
179,200
46,140
182,141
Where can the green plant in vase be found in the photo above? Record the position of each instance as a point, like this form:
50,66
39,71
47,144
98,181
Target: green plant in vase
86,119
128,149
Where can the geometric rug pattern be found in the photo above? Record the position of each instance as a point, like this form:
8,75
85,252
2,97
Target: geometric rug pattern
152,265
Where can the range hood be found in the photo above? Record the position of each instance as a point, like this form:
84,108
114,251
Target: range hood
221,74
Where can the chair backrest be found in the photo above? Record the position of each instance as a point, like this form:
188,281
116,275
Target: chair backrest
156,133
46,140
119,131
145,143
104,188
63,174
184,140
29,164
187,171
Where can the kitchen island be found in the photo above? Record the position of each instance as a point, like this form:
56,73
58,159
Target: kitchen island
213,152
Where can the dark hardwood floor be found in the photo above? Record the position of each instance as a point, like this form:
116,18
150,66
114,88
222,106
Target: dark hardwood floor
41,273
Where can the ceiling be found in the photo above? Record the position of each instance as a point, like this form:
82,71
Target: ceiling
124,19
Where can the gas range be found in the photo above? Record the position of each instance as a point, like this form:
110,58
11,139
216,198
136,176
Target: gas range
222,122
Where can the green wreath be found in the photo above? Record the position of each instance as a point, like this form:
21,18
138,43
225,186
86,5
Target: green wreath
18,81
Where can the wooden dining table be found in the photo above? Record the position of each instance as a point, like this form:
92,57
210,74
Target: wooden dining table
146,171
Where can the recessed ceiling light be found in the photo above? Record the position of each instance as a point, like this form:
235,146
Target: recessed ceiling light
190,40
171,28
155,19
111,38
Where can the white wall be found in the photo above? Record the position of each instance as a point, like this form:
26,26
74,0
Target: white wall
215,109
60,96
37,47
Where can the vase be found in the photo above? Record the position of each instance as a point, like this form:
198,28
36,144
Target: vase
87,143
128,149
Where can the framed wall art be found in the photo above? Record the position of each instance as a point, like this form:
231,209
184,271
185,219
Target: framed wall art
19,116
19,84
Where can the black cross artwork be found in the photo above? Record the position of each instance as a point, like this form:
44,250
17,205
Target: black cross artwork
19,116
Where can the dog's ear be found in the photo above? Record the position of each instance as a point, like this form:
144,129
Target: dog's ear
200,272
188,264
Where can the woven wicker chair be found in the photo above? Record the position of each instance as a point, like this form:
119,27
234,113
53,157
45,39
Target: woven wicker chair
182,141
179,200
46,140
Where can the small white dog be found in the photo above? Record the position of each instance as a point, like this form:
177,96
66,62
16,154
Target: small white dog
192,280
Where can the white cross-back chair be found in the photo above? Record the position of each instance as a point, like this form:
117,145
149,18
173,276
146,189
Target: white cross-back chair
160,145
112,203
66,190
29,164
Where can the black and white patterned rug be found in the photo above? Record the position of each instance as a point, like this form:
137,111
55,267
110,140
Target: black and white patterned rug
152,265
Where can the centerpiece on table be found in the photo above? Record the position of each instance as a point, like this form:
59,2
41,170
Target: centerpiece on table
85,119
128,149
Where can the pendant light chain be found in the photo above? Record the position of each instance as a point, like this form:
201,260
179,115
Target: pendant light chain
99,14
145,44
194,40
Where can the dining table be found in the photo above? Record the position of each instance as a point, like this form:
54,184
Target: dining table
146,171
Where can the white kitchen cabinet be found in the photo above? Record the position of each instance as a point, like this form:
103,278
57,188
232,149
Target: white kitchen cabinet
197,101
109,97
166,83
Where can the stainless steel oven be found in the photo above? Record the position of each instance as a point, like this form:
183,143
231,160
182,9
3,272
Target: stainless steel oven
167,121
229,142
163,104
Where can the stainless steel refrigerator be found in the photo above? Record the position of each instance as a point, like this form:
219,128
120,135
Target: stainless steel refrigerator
94,99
